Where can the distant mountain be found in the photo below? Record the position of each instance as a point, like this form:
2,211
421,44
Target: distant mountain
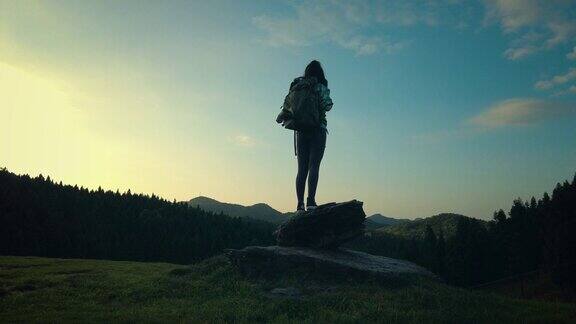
259,211
403,227
370,225
445,223
379,220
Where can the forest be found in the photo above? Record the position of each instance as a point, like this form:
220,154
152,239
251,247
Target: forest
42,218
538,234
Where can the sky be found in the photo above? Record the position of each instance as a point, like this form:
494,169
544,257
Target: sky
439,106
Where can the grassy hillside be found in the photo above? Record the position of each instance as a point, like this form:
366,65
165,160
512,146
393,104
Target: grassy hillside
57,290
441,223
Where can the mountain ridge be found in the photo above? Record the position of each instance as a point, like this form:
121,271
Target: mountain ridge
265,212
444,223
259,211
378,220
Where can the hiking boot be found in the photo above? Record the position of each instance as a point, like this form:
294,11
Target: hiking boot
311,204
300,208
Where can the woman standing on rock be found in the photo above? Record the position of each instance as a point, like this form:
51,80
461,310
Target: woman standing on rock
304,111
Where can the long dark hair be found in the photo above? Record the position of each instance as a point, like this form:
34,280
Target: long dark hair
314,69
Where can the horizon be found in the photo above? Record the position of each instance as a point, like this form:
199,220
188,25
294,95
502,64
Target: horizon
443,107
56,181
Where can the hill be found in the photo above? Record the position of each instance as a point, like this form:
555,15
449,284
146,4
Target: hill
58,290
259,211
442,223
266,213
379,220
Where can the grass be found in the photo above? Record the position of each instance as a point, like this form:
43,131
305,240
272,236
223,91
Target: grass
65,290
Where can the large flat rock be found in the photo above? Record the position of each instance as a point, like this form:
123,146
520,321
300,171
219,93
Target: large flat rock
260,261
328,226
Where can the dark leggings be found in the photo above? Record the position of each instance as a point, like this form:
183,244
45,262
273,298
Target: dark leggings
310,150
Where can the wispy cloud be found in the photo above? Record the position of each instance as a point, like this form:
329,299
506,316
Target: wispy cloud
557,80
316,22
348,24
516,53
572,54
536,24
533,25
521,112
523,46
243,140
512,14
406,13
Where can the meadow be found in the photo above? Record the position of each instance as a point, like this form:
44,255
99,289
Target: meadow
34,289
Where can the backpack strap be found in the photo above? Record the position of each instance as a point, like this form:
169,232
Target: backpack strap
295,147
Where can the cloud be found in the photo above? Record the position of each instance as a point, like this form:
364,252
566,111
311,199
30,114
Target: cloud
513,14
348,24
552,21
570,90
572,55
360,26
243,140
519,52
521,112
556,80
405,13
362,45
562,31
523,46
323,21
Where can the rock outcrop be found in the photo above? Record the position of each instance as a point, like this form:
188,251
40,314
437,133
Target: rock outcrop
328,226
264,261
309,243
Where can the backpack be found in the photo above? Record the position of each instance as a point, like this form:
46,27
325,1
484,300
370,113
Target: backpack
301,107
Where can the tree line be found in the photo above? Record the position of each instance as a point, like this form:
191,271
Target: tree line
539,234
42,218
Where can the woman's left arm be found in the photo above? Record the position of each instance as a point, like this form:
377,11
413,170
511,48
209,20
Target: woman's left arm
325,100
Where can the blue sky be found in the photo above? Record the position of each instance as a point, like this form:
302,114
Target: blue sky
439,106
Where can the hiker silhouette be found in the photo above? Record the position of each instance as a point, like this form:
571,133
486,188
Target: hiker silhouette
304,111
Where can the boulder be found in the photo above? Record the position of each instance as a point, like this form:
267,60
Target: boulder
327,226
266,261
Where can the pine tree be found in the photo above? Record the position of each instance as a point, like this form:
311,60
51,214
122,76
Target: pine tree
533,203
518,209
429,251
499,216
47,219
441,254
